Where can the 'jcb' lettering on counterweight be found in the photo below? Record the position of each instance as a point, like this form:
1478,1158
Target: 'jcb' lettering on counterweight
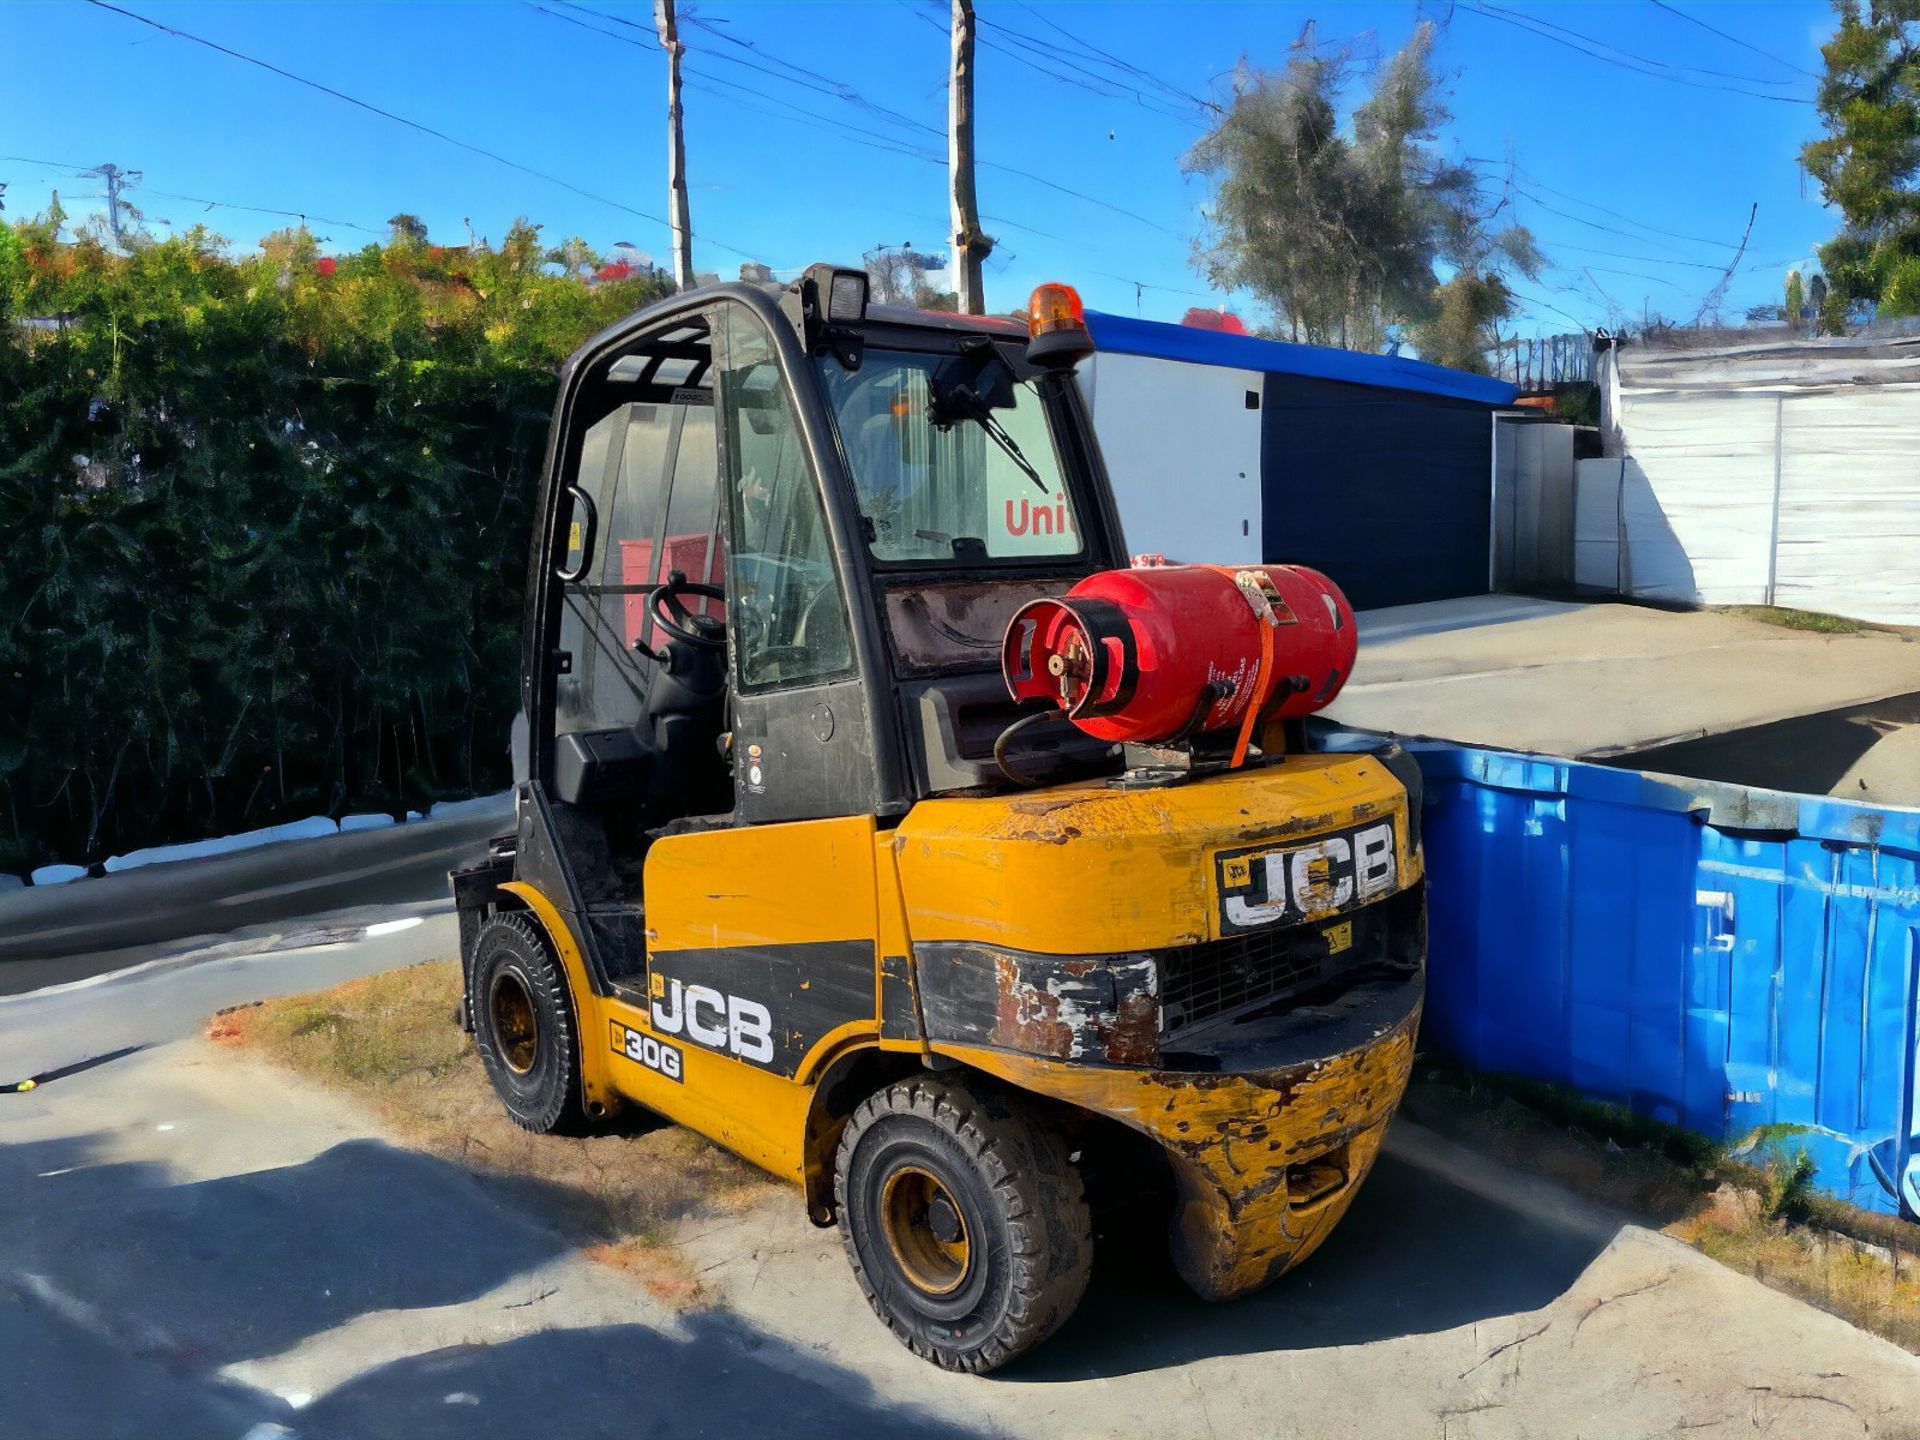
1289,884
707,1017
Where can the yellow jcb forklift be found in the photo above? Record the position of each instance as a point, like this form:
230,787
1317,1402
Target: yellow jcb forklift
882,824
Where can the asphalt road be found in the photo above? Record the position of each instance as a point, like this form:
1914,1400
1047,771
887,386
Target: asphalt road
58,933
196,1246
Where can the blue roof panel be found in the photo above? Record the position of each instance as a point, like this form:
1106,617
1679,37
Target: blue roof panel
1122,335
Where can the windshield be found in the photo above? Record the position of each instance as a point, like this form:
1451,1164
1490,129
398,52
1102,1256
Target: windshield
954,492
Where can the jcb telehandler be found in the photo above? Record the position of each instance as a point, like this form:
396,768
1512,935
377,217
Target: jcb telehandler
880,823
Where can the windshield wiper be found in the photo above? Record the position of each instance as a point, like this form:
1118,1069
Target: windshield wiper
978,412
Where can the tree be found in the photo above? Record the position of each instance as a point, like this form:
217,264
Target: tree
1344,235
898,275
1796,299
266,519
407,229
1868,164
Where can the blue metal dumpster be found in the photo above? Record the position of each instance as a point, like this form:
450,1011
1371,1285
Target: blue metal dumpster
1710,955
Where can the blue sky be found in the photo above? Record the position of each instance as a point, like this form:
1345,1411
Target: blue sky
1685,150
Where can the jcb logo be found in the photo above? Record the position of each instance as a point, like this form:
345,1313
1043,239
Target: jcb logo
1270,886
706,1017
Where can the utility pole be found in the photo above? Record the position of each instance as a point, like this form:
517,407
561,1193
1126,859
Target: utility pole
970,244
116,180
663,19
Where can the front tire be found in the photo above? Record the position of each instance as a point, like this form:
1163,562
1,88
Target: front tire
965,1223
523,1026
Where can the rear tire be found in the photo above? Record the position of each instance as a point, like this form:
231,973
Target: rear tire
523,1026
965,1223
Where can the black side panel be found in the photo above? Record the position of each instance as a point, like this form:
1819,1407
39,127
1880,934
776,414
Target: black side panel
803,754
563,854
1387,491
899,1006
1100,1009
804,991
617,934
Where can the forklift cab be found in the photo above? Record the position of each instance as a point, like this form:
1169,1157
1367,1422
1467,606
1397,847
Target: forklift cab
792,867
780,552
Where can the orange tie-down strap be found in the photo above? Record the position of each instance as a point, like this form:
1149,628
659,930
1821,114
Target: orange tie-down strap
1269,616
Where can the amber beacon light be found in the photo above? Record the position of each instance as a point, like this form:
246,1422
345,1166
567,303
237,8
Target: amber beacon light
1057,327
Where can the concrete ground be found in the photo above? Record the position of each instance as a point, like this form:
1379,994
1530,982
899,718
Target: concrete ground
1588,680
198,1246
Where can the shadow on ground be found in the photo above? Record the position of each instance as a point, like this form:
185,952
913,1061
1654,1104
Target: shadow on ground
724,1378
1417,1254
123,1292
1804,754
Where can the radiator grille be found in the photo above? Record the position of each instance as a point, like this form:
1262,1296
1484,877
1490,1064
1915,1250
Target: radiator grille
1198,982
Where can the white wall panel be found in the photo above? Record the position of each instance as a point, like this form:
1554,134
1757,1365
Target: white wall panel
1183,451
1596,524
1698,495
1850,504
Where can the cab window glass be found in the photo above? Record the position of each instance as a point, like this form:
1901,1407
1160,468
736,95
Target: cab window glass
693,540
789,615
602,690
950,488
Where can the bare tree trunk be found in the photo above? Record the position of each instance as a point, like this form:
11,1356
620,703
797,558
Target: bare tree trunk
970,245
663,19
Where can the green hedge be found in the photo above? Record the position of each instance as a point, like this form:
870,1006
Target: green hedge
263,521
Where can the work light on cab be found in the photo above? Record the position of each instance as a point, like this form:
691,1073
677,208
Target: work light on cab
1057,335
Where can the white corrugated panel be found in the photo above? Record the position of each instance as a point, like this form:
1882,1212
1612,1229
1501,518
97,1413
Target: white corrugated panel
1183,451
1850,504
1698,495
1596,524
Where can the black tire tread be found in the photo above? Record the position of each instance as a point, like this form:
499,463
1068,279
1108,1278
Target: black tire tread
1026,1164
564,1114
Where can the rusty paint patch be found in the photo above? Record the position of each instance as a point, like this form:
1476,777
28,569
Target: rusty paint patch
1241,1144
1047,804
1134,1036
1027,1017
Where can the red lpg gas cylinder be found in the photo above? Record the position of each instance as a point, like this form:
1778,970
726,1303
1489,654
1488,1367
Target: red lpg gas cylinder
1148,655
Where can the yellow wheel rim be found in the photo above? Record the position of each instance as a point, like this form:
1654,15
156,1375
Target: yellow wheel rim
925,1229
514,1022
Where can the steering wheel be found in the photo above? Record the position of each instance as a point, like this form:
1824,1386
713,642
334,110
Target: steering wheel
670,612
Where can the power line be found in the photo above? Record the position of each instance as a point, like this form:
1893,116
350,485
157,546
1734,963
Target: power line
1595,224
1594,205
1174,90
1644,259
1719,292
807,79
1767,54
302,215
1149,285
1636,275
1639,64
1631,58
1086,79
868,140
1543,305
839,87
74,165
403,120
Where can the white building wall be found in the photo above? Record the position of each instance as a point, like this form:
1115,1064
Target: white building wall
1183,452
1784,473
1699,495
1850,504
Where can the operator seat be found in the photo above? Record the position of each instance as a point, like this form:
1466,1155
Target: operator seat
668,763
